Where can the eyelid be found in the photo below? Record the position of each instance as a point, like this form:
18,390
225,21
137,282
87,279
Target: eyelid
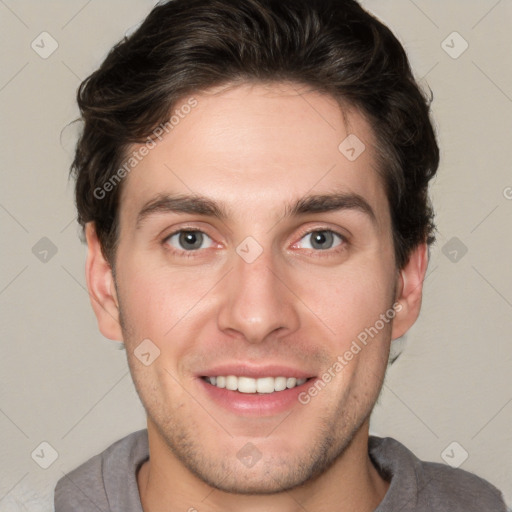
170,231
304,232
308,231
315,229
185,229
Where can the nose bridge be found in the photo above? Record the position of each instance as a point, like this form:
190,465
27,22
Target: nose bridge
255,302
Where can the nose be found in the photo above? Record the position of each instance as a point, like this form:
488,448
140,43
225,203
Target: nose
256,301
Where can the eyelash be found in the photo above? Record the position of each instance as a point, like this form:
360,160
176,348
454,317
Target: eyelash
327,252
317,253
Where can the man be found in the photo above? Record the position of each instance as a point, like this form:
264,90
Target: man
253,178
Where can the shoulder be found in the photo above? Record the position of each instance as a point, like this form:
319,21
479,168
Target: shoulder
452,488
87,486
430,485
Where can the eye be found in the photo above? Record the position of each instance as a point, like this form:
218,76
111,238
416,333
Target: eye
322,240
189,240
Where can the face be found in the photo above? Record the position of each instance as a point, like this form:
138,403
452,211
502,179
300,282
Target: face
254,255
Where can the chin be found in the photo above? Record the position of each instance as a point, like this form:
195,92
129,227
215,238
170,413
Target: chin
268,479
248,471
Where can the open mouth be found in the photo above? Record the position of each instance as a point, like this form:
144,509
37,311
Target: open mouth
249,385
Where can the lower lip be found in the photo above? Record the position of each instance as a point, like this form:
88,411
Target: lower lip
255,404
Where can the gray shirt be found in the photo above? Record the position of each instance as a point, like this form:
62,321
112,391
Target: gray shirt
107,482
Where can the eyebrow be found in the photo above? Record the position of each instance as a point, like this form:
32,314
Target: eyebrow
200,205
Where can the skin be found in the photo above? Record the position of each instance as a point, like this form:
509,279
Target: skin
255,148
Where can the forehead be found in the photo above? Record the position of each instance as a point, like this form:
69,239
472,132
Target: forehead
255,148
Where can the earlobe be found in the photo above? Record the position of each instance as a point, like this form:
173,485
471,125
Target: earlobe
410,291
101,286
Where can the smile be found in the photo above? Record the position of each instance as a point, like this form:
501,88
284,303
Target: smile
250,385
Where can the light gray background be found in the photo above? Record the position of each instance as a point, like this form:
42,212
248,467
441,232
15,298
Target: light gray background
63,383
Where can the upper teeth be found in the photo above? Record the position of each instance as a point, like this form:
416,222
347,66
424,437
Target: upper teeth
249,385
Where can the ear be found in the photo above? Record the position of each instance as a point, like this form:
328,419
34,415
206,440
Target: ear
100,283
409,291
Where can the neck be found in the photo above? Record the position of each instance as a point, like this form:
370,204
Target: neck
351,483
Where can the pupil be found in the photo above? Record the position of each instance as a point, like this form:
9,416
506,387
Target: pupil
321,238
191,240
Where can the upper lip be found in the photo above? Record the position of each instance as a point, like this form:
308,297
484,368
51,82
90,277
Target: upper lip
255,372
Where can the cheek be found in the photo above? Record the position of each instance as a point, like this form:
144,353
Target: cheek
151,293
146,302
159,304
351,305
349,298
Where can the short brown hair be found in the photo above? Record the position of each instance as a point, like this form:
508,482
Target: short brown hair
187,46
